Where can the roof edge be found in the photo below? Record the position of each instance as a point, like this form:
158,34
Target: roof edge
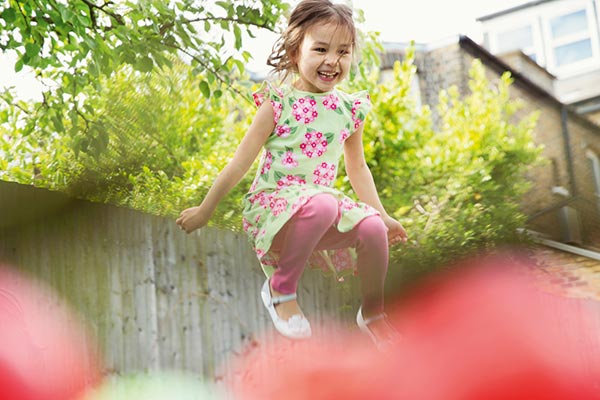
511,10
500,66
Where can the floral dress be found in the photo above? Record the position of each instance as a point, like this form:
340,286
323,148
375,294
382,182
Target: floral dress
300,160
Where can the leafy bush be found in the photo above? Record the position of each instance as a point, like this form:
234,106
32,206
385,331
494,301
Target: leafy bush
457,190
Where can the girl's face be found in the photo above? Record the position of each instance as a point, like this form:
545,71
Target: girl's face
324,58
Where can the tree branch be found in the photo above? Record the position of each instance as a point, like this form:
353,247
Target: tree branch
163,28
103,9
14,104
212,70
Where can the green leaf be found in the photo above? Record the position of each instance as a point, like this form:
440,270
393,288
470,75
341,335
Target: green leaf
66,14
224,5
238,37
211,78
144,64
9,15
205,89
58,124
32,49
240,66
3,116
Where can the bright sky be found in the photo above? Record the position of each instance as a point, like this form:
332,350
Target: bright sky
424,21
397,20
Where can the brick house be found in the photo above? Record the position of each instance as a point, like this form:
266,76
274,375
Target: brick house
564,203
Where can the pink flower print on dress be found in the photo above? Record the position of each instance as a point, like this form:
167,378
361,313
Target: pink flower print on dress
278,205
262,199
331,101
289,159
290,180
267,162
254,184
369,209
347,204
245,224
314,144
300,201
324,174
283,130
277,107
305,110
344,135
358,119
260,253
259,98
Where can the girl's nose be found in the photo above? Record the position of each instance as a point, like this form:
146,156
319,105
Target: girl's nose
331,59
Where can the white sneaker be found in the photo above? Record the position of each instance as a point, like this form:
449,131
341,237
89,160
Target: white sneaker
297,327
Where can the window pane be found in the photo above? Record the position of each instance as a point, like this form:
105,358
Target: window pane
570,23
572,52
515,39
533,56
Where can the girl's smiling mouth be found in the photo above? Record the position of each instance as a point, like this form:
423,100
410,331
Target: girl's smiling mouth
328,76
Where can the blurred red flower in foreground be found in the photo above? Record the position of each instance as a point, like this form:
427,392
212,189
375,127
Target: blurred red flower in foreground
479,332
44,351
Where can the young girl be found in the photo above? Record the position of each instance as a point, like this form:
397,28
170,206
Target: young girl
292,213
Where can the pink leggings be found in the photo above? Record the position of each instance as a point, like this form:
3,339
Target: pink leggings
312,228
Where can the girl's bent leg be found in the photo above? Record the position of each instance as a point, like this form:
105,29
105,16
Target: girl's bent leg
299,238
369,238
372,263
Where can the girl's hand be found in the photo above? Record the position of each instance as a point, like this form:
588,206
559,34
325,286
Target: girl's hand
193,218
396,232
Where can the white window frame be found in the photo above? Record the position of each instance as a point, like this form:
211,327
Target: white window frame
512,22
527,50
550,43
595,163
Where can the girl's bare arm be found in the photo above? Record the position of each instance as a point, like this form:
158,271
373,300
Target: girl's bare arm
363,184
247,151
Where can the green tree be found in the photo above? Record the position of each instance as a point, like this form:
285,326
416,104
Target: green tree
72,46
83,39
158,144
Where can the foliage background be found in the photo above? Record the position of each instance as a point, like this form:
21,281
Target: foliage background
154,137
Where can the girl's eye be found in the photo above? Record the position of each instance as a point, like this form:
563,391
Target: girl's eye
344,52
320,50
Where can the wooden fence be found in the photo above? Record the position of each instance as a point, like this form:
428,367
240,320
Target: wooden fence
154,297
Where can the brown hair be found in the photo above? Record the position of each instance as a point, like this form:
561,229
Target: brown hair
307,14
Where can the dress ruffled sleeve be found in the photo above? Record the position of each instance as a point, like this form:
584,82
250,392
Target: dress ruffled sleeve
268,92
361,105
